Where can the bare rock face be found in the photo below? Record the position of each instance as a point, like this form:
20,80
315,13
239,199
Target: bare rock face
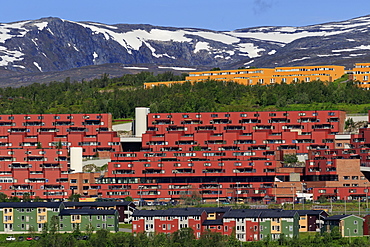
53,44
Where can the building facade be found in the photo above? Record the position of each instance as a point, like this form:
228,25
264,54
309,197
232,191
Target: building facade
222,156
35,150
348,225
247,225
25,217
264,76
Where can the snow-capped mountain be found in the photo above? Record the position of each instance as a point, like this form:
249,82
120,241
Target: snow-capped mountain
53,44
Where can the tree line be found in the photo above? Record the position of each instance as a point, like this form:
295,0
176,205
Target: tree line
184,237
121,95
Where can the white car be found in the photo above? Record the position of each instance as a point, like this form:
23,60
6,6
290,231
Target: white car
10,238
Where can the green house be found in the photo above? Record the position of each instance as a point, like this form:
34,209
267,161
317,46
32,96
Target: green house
22,217
349,225
70,219
276,222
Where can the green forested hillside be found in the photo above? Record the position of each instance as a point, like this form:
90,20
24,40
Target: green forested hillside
121,95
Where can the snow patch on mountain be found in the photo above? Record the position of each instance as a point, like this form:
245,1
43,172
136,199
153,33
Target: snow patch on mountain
175,68
250,50
41,25
37,66
361,47
135,68
201,46
95,55
300,59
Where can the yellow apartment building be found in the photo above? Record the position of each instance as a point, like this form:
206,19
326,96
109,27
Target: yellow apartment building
268,76
242,76
148,85
361,73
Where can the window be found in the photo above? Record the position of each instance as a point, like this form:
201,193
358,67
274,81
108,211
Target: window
276,228
355,222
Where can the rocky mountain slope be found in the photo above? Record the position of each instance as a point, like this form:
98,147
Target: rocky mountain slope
30,50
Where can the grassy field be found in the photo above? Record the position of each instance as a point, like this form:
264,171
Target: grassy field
126,226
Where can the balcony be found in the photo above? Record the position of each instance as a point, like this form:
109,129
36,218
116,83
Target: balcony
213,170
153,171
183,171
244,170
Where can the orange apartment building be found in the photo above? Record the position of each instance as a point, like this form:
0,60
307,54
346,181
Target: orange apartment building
264,76
361,73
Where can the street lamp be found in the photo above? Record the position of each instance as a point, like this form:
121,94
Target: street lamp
304,197
141,195
237,192
359,205
367,199
293,193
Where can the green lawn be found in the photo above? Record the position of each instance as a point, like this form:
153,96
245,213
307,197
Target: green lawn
126,226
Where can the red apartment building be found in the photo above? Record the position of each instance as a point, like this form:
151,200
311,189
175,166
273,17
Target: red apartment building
34,150
232,155
217,156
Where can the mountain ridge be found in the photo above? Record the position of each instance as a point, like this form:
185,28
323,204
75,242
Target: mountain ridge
54,45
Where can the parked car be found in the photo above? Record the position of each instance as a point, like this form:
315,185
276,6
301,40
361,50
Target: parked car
37,238
29,238
20,238
10,238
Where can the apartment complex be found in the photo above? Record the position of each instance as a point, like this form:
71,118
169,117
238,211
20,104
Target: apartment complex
35,150
240,156
219,156
264,76
269,76
23,217
246,224
361,73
